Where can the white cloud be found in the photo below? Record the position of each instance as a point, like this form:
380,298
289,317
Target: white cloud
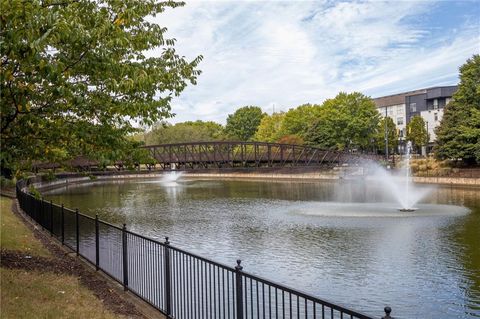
286,53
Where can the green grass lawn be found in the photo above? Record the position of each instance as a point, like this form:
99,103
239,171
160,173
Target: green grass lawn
33,294
14,235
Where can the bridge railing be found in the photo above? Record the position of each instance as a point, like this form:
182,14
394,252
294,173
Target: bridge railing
178,283
227,154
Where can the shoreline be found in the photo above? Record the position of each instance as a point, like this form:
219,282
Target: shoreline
305,176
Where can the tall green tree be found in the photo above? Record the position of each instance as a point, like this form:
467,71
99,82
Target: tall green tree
296,120
198,131
243,124
386,124
269,129
417,132
75,76
348,121
458,135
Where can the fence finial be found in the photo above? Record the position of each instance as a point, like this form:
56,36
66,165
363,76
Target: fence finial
387,310
166,241
238,266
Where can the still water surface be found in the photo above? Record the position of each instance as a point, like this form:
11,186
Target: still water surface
342,241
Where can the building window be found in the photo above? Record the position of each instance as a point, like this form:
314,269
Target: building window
413,107
435,115
399,120
400,133
435,104
399,109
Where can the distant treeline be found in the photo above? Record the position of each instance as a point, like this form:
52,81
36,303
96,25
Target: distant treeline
348,121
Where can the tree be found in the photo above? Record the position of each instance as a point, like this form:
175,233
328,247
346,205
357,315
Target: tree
458,135
346,122
269,129
297,119
291,139
185,132
75,76
391,133
243,124
417,132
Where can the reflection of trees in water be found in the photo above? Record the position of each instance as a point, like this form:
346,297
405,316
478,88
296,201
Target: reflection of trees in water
466,232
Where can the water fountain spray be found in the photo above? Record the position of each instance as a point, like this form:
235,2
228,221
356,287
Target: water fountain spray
408,207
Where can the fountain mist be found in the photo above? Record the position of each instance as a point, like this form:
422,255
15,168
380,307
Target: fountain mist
401,186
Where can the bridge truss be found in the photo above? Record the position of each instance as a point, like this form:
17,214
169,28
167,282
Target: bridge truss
228,155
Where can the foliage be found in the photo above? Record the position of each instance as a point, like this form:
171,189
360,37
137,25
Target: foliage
392,135
6,183
417,132
297,119
348,121
75,76
458,136
243,124
269,129
185,132
34,192
291,139
49,176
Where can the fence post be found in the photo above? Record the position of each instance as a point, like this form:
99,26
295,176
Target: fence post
40,218
37,210
125,254
239,289
387,310
51,218
77,231
97,244
63,226
168,292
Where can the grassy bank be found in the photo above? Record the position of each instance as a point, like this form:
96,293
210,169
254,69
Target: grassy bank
13,233
39,294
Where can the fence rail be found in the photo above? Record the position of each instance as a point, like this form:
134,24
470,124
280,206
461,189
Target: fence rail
177,283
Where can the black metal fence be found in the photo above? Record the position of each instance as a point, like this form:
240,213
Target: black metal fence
177,283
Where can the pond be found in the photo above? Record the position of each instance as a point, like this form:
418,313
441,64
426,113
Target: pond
343,241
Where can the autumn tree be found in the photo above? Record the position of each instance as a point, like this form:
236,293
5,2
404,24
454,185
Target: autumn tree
291,139
243,124
75,76
458,136
417,132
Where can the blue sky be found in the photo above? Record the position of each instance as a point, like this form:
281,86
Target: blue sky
280,54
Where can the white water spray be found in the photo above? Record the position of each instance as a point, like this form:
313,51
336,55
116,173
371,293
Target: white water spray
398,186
408,206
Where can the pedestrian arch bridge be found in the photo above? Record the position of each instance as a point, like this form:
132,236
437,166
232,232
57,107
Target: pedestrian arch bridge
229,155
249,155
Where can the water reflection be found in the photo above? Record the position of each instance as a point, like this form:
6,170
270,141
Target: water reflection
425,266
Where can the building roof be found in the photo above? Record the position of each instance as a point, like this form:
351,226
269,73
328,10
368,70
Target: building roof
399,98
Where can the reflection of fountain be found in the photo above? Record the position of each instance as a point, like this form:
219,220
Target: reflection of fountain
171,177
172,187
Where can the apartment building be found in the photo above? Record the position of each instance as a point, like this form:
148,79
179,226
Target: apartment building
428,103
